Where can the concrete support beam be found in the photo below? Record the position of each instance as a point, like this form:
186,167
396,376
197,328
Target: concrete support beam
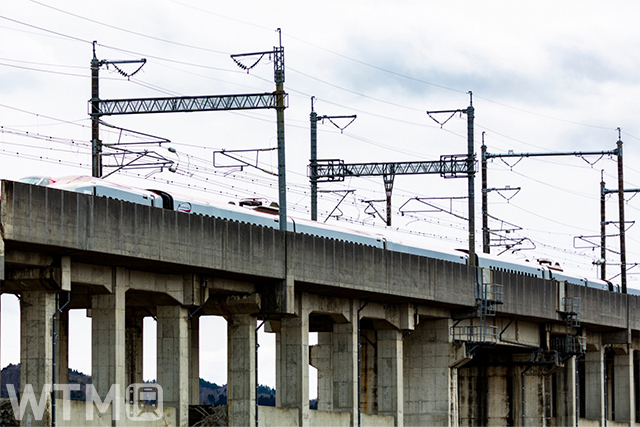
594,385
24,258
195,290
36,351
292,363
279,298
92,275
108,319
134,322
345,365
173,359
194,361
241,365
34,278
65,273
390,375
624,390
170,284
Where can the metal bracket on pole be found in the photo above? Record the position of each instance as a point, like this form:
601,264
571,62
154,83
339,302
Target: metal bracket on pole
94,108
470,169
242,163
313,162
375,211
433,207
346,193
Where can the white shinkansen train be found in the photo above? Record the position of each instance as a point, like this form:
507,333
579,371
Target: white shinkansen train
254,211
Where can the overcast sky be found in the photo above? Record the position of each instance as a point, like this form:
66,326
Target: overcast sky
545,76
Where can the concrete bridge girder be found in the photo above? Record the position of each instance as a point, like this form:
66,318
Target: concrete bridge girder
408,378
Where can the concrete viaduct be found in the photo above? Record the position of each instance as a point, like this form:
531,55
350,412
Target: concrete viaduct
402,339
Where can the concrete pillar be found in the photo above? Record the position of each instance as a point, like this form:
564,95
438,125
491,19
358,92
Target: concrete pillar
566,393
538,399
108,345
345,367
194,360
594,385
469,390
431,375
36,352
390,375
624,391
241,365
368,372
173,359
61,362
61,359
497,399
292,366
323,363
62,350
134,324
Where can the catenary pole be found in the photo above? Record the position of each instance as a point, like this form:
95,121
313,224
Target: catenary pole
623,254
603,229
313,117
485,216
96,144
471,179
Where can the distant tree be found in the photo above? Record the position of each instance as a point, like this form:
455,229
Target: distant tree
222,399
267,400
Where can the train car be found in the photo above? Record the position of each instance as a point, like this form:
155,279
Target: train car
260,212
503,264
101,188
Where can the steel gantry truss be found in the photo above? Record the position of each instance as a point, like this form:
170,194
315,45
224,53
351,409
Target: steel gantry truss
276,100
620,190
185,104
336,170
451,166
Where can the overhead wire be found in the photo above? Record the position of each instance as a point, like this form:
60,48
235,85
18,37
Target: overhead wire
129,31
364,64
45,30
